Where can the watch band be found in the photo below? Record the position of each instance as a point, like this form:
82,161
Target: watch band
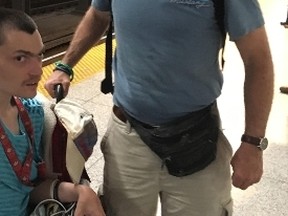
260,142
250,139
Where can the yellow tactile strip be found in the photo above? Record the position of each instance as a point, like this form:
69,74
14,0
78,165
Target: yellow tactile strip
90,64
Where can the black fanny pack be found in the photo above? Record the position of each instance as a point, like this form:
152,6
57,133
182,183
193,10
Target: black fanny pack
185,145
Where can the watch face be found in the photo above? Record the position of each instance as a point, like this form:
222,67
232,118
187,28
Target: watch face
263,143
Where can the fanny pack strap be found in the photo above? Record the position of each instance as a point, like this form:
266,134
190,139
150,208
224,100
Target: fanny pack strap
178,125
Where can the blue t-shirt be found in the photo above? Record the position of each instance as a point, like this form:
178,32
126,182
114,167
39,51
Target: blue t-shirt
14,196
167,59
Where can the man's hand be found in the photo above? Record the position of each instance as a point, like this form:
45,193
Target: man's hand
56,78
247,164
88,203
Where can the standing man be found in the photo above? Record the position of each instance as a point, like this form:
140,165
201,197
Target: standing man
167,79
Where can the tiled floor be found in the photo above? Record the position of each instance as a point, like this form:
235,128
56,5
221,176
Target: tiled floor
270,196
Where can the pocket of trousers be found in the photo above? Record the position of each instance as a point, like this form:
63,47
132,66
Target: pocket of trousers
228,208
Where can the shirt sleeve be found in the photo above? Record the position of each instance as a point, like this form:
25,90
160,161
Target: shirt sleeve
36,114
102,5
242,17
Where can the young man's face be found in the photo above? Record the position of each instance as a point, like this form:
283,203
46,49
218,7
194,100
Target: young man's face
20,63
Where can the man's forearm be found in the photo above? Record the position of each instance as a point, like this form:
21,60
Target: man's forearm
89,31
259,80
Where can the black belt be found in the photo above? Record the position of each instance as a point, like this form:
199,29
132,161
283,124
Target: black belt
120,115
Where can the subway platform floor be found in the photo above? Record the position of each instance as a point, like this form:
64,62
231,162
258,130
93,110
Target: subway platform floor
270,196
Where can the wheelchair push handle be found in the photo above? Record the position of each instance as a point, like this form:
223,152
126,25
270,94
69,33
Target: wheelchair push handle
59,92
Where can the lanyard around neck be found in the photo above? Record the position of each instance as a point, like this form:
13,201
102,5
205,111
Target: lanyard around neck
22,171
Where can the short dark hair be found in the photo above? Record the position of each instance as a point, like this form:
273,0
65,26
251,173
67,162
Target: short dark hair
15,19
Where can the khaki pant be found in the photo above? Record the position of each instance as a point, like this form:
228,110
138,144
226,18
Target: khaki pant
134,179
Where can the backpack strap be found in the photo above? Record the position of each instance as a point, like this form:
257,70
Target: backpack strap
219,6
107,84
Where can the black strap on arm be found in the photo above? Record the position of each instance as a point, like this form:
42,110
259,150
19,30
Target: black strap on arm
107,84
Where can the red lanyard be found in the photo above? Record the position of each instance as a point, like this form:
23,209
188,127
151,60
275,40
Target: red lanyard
22,171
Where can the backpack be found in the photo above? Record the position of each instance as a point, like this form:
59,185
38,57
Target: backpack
69,135
107,84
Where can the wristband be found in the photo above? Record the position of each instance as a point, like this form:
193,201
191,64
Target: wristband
64,68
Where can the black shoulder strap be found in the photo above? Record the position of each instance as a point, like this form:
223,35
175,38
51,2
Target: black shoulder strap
219,6
107,84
